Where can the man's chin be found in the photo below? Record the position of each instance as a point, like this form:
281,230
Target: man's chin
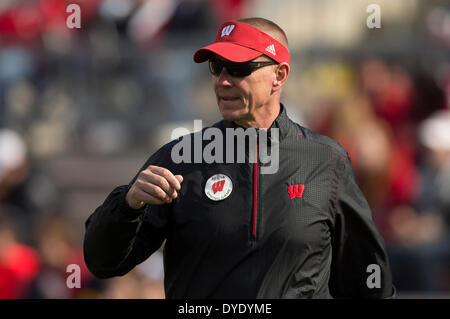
231,111
231,115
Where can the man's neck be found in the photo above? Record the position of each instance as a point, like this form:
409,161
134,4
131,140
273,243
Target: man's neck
263,118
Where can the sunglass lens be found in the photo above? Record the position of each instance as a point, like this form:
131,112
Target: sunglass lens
239,69
234,69
215,67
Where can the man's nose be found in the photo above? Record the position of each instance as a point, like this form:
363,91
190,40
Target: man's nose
224,78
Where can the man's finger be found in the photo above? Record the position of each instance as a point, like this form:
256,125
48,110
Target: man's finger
179,178
162,182
152,190
164,172
141,196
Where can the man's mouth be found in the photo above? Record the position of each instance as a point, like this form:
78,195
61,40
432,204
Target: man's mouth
229,98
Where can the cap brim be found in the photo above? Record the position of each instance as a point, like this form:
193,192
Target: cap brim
228,50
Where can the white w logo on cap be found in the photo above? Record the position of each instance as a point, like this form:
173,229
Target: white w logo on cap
227,30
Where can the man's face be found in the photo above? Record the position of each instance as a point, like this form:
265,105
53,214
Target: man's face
239,97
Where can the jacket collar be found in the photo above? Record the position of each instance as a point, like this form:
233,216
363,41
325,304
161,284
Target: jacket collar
282,122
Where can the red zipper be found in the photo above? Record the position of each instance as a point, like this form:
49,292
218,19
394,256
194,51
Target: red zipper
255,192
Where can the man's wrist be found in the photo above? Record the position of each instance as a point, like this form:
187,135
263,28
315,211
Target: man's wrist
132,203
130,208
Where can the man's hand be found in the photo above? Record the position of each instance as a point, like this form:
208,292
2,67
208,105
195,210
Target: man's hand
154,185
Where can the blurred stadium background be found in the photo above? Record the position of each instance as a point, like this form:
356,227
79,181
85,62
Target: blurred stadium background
82,109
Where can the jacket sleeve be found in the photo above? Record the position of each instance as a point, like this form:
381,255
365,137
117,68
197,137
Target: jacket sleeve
117,237
360,266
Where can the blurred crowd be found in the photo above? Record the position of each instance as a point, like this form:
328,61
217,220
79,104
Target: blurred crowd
119,83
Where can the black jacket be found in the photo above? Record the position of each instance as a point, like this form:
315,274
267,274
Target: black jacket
257,242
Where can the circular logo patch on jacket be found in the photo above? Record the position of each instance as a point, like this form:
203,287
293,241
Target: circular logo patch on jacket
218,187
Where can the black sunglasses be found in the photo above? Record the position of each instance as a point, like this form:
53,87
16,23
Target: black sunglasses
236,69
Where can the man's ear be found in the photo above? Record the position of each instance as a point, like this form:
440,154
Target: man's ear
281,75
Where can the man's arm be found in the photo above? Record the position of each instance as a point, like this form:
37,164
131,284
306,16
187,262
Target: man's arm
360,266
131,223
111,236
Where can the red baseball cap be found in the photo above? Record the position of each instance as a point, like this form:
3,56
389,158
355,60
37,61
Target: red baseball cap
240,42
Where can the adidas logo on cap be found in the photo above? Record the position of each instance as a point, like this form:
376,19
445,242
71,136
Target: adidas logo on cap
271,49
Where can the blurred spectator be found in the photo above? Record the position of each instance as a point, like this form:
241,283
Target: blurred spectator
390,90
19,263
421,245
14,170
225,10
58,250
24,192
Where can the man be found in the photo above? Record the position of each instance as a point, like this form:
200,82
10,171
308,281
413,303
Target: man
303,230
